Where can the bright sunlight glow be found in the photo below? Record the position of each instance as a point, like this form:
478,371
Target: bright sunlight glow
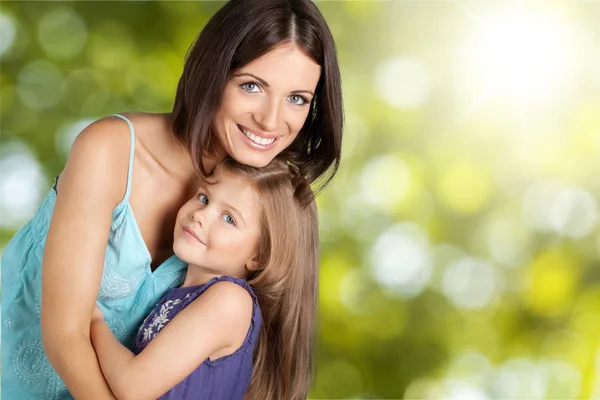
525,56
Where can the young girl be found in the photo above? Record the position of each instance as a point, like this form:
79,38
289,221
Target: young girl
251,244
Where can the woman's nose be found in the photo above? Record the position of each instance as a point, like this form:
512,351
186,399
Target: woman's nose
269,116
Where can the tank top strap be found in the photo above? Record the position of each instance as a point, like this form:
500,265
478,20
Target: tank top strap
131,155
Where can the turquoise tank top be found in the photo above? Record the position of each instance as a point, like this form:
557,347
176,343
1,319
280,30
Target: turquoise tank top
128,292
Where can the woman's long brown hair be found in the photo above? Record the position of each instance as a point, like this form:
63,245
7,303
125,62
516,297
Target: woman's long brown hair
286,284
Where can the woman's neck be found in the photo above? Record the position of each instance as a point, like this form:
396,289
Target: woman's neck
210,161
182,164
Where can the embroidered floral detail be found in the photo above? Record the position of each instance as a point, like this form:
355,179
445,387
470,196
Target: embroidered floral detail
9,323
117,232
148,334
109,262
31,366
144,323
38,305
160,319
56,389
30,363
114,286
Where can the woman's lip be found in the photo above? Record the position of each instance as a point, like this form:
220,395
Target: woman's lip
255,145
191,233
258,133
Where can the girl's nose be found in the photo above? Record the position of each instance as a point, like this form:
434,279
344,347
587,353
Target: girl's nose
198,216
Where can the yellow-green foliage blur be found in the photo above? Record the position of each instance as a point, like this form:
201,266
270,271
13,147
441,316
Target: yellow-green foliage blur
460,238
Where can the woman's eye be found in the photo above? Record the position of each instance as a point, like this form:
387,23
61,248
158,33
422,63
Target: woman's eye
250,87
203,199
296,99
229,219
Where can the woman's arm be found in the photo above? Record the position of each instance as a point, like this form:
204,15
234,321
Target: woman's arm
91,185
218,319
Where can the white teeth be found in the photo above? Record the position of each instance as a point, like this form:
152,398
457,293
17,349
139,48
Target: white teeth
256,139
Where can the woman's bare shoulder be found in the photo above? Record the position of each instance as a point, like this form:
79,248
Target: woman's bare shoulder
108,132
112,134
103,147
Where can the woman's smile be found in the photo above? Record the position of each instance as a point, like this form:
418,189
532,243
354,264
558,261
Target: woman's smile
257,140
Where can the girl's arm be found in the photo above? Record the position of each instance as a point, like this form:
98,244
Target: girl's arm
217,320
91,185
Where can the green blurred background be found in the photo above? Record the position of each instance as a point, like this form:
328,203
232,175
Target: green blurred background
460,238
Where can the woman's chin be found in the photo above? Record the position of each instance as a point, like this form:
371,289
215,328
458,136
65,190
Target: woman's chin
254,159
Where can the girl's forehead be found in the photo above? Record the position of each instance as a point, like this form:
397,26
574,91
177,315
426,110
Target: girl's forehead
235,187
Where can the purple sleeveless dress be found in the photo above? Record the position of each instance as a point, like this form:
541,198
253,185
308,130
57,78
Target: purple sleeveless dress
226,378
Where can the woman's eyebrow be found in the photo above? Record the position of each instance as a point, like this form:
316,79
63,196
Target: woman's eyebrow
266,84
262,81
303,91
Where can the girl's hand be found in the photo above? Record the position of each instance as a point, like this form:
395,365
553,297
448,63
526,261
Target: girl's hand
97,314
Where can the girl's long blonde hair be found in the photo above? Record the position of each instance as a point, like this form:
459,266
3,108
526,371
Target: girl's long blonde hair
286,284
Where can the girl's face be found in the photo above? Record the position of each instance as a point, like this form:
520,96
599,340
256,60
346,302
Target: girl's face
219,228
265,104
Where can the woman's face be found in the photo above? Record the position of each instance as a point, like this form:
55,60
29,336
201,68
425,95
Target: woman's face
265,104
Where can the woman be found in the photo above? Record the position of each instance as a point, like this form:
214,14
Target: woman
261,79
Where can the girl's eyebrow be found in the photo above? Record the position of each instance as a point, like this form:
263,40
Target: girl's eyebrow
266,84
223,204
202,188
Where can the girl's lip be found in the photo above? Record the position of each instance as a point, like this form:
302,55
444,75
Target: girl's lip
254,145
189,232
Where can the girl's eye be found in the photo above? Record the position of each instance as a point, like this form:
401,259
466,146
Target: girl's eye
229,219
250,87
203,199
297,99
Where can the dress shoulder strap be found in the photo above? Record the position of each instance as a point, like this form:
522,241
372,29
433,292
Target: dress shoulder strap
131,155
